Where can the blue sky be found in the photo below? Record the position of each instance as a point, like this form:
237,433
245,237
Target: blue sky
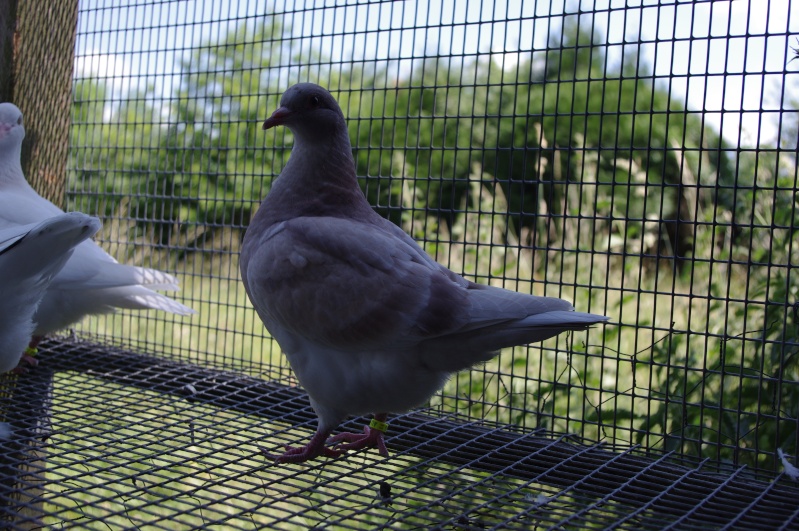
688,45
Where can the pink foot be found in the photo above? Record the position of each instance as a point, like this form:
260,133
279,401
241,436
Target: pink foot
372,437
314,448
30,360
26,359
300,454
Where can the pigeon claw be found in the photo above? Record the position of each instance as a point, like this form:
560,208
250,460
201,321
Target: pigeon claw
25,361
30,360
370,438
301,454
341,444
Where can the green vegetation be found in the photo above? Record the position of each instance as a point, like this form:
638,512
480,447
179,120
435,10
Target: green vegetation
561,175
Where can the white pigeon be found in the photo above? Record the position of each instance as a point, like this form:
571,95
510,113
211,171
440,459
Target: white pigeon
91,282
30,256
369,322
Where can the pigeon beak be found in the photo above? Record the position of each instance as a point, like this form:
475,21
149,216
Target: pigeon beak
278,117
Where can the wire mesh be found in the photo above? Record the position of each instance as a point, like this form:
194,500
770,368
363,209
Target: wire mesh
638,160
175,444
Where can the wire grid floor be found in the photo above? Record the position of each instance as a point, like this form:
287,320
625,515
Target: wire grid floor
110,439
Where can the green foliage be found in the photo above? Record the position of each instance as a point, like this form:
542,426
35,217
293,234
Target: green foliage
191,161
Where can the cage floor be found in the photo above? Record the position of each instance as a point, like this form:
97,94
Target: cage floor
110,439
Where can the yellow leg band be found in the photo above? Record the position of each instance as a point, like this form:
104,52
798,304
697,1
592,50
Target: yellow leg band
31,351
379,426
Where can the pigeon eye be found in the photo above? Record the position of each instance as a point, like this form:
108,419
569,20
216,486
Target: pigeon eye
314,101
19,120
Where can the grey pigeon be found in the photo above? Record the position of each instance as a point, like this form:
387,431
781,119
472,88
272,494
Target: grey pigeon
30,256
91,282
369,322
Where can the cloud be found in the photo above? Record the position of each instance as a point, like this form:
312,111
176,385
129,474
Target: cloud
113,70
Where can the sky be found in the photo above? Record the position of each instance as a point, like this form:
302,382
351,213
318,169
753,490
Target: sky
726,59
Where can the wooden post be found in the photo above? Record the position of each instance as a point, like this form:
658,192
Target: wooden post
8,21
37,43
43,59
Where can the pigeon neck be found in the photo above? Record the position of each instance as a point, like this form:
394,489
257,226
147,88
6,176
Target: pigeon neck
10,167
318,180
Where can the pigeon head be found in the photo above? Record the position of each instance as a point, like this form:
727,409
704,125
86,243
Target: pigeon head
310,112
11,129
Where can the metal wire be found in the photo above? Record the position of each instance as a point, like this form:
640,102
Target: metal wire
170,443
639,161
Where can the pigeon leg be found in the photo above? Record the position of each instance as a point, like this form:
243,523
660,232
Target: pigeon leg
372,437
30,352
26,360
314,448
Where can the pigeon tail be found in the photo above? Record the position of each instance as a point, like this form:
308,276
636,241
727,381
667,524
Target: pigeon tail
462,350
141,298
30,257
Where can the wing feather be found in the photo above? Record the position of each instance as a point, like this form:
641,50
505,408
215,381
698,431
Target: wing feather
343,284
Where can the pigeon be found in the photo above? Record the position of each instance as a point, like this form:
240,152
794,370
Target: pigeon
368,321
91,282
30,257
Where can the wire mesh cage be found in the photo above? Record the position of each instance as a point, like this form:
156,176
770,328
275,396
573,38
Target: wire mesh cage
637,160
